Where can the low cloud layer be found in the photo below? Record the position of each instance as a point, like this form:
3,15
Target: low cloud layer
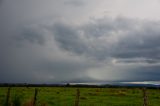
48,48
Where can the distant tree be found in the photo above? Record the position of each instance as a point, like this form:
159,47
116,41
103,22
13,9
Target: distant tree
68,84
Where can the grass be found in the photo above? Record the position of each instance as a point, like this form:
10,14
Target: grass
66,96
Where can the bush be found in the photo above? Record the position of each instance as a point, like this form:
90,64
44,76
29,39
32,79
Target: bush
16,101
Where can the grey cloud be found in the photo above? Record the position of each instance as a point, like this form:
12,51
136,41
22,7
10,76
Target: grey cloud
77,40
141,43
1,2
32,57
111,38
65,69
148,73
75,2
52,44
137,60
68,52
32,35
68,38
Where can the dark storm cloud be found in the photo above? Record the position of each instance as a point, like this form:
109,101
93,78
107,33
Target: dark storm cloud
32,56
32,35
68,38
143,42
1,2
119,38
73,68
126,40
43,42
148,73
48,52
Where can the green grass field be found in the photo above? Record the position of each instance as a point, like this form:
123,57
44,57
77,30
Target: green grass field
66,96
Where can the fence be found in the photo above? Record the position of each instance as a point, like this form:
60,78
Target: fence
77,97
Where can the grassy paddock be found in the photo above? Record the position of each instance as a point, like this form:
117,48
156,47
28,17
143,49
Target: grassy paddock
66,96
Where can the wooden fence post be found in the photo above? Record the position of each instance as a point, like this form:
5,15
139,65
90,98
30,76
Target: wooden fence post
35,97
8,96
145,98
77,97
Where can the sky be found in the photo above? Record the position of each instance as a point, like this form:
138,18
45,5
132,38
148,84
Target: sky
57,41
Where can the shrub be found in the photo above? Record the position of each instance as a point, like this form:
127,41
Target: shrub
16,101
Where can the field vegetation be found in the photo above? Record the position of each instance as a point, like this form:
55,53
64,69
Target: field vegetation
71,96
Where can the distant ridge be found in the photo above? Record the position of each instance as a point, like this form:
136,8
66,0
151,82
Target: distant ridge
103,85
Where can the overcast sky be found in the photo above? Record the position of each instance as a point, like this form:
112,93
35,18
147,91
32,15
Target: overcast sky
54,41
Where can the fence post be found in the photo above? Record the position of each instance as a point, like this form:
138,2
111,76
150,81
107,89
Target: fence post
8,96
35,97
77,97
145,101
